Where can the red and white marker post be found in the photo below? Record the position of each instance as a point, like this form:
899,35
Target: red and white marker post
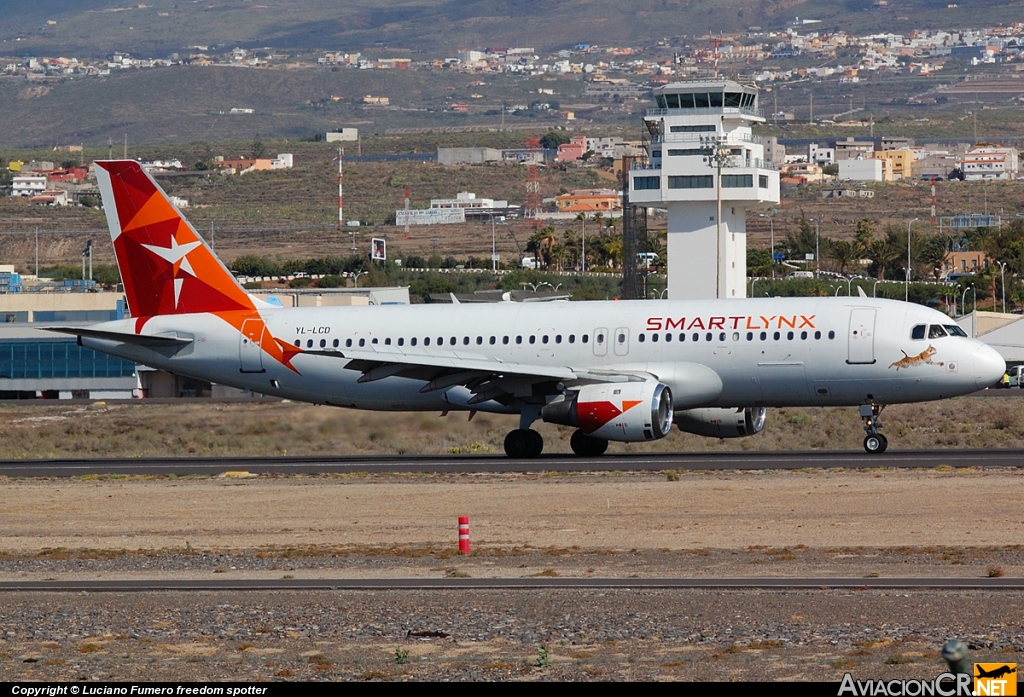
464,534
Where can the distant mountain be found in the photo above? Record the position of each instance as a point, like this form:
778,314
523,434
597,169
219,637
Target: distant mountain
155,28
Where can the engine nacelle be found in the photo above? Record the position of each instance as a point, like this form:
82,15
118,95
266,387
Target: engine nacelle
619,411
722,423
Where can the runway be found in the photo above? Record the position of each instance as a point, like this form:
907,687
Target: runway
525,584
497,464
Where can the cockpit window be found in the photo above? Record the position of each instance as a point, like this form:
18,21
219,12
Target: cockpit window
955,330
917,332
935,331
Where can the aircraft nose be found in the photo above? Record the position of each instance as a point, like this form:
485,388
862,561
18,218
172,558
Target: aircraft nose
989,366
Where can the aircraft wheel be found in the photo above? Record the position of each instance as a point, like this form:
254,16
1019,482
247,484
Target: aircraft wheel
875,443
587,446
523,443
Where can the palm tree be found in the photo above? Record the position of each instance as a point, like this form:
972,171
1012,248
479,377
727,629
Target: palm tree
842,253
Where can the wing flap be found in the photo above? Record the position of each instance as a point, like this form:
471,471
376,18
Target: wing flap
367,361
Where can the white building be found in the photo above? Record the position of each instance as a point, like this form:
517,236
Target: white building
820,155
342,134
990,162
707,256
468,201
28,186
865,170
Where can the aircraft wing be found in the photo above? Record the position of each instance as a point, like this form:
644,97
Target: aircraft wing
487,377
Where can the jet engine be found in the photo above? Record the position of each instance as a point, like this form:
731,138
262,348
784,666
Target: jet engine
619,411
722,423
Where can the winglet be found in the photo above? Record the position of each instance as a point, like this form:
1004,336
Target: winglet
166,266
860,292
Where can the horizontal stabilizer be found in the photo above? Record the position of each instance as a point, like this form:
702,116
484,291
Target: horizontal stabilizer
149,341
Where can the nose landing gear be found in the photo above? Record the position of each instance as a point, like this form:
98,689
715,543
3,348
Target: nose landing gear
874,442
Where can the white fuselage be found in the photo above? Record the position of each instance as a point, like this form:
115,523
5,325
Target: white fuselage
766,352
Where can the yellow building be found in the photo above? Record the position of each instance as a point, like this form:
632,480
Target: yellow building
901,163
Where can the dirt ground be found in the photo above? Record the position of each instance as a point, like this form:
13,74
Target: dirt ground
877,523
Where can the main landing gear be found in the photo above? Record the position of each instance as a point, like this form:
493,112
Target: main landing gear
874,442
524,443
587,446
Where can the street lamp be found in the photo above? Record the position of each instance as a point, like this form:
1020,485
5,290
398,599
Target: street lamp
494,254
771,222
907,291
356,281
715,149
1002,281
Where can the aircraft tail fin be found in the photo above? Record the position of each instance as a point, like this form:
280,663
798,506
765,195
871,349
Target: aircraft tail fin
165,265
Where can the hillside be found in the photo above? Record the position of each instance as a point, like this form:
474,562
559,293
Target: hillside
159,27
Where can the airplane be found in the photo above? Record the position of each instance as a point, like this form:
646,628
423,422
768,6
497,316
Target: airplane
616,371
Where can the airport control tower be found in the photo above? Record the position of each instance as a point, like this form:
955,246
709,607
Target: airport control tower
704,157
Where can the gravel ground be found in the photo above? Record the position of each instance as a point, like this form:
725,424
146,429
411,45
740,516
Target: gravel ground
501,635
948,523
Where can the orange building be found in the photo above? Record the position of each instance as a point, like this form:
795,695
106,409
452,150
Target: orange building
589,201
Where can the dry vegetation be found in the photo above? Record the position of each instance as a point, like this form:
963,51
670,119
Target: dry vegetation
139,429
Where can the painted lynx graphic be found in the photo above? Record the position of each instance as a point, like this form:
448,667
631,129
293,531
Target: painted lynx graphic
908,361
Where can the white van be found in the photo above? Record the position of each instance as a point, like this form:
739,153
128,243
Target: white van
800,274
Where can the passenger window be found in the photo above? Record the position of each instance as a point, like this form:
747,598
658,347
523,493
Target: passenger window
642,338
654,337
696,336
533,339
935,331
426,341
479,340
454,340
572,338
776,336
412,341
735,336
323,343
600,338
374,340
519,339
544,339
465,341
831,335
309,344
803,335
558,338
622,338
789,335
682,337
440,340
710,336
721,336
362,342
348,343
335,343
504,339
764,336
750,336
585,338
668,337
817,335
917,333
492,340
298,343
401,341
387,342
